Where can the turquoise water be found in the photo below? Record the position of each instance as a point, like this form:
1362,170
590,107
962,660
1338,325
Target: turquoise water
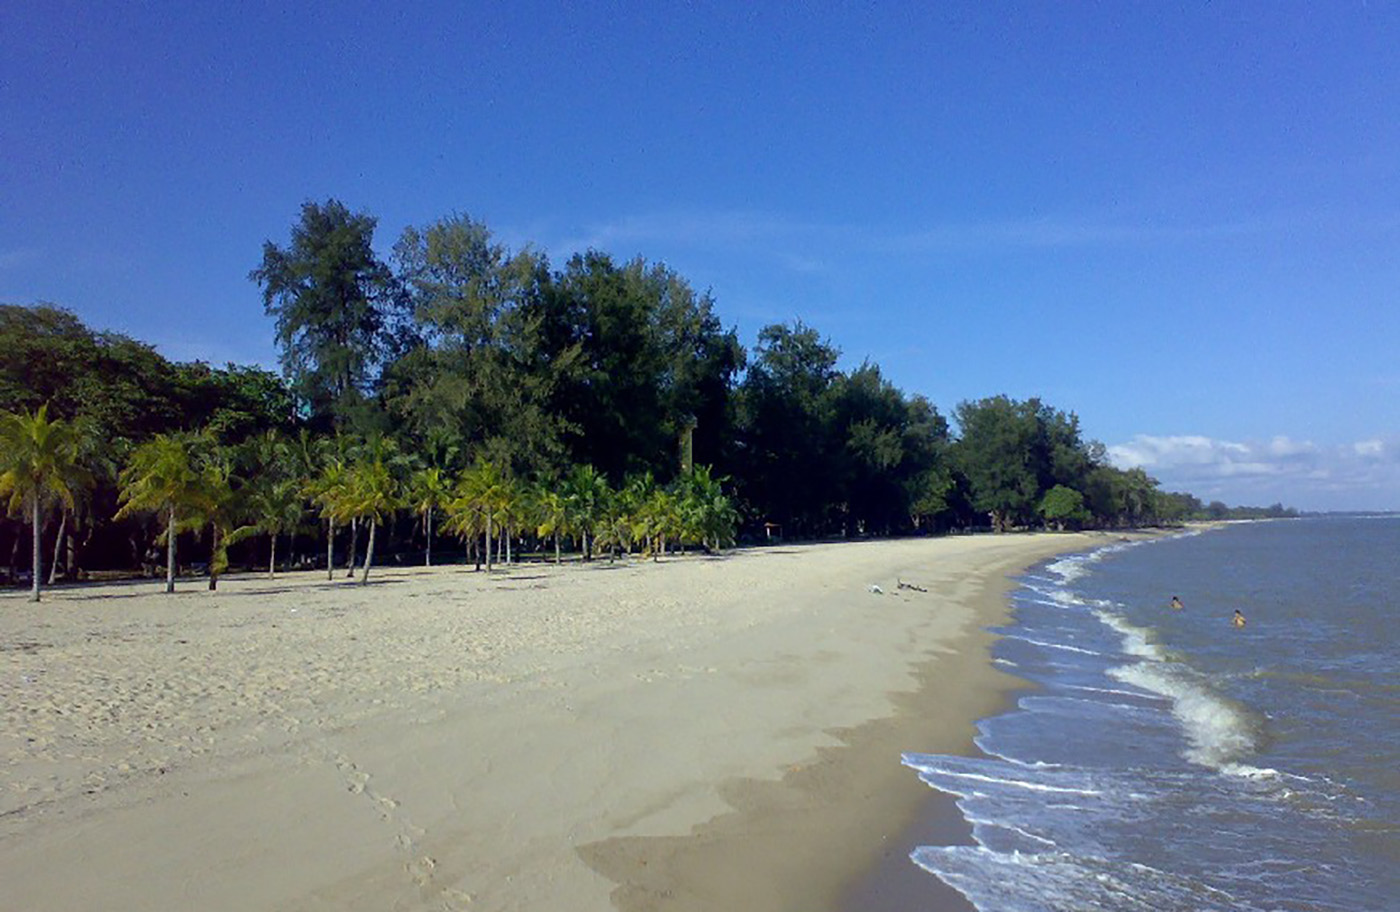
1169,760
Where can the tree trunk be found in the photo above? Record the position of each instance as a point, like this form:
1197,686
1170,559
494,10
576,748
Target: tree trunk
330,549
369,552
354,543
170,551
58,547
36,569
428,552
557,558
505,533
489,534
272,557
213,555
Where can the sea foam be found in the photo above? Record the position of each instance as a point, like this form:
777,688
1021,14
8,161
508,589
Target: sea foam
1219,733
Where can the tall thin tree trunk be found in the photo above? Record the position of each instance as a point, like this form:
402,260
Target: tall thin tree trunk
272,558
505,533
170,551
213,555
330,549
369,551
489,535
557,558
58,546
36,569
354,543
428,553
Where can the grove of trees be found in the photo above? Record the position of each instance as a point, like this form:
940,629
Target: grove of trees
468,392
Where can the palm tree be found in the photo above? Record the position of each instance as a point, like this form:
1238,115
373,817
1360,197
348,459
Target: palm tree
373,494
275,506
218,510
38,462
93,461
551,515
707,515
274,495
636,504
613,530
161,478
428,490
330,492
480,497
512,502
664,509
587,495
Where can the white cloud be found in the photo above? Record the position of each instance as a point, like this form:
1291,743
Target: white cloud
1369,449
1360,475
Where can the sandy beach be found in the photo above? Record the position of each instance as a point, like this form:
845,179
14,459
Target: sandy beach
698,733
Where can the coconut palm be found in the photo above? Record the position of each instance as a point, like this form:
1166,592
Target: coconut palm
707,514
274,506
38,464
664,514
513,509
330,491
638,505
587,496
373,495
219,510
273,497
550,512
94,462
428,490
613,530
161,478
481,495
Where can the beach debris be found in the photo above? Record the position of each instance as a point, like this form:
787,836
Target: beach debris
876,589
904,585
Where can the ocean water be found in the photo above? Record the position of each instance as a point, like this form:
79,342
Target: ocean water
1169,761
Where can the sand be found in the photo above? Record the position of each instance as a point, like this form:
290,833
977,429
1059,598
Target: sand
698,733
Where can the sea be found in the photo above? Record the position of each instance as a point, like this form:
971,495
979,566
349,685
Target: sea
1166,759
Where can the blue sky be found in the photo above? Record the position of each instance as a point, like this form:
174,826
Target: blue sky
1180,221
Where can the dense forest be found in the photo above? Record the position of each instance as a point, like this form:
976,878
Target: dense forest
466,390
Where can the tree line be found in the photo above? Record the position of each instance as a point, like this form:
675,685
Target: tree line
503,374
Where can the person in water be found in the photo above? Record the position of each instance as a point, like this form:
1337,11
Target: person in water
1238,619
1176,604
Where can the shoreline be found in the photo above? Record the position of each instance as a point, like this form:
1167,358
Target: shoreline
576,737
834,835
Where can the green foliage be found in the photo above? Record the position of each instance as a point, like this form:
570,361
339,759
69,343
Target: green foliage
785,405
38,465
588,380
707,516
162,477
480,380
1062,507
482,497
647,357
336,307
122,390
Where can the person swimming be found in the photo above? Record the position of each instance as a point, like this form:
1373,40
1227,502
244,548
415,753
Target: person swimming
1176,603
1238,619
